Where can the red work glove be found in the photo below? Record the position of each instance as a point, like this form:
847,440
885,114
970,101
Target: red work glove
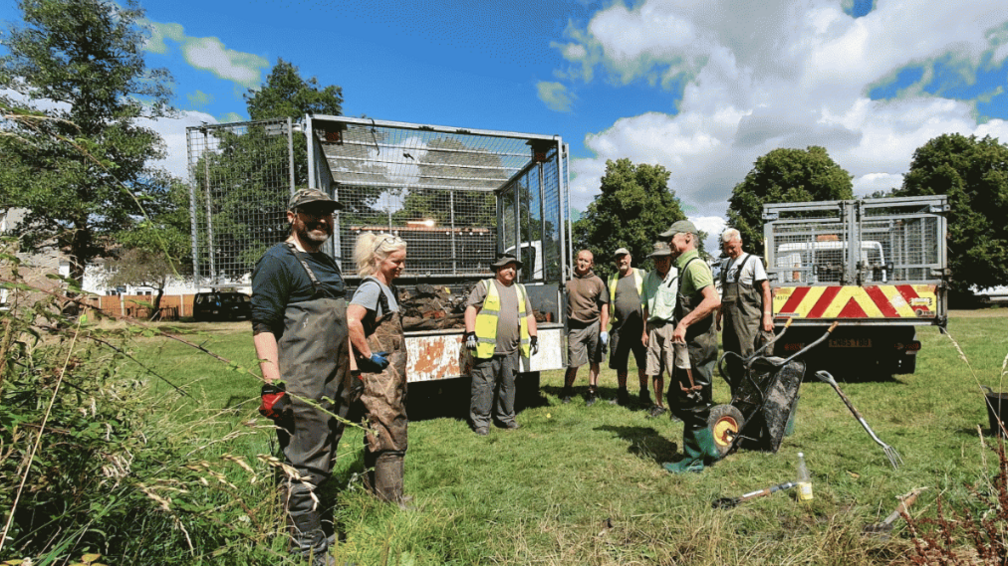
275,402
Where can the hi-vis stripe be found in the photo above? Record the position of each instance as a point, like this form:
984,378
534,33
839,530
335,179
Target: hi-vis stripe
876,301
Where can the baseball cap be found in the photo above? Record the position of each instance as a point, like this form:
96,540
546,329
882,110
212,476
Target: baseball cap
314,197
680,227
660,249
621,251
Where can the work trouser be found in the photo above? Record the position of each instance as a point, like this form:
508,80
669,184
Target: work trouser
490,376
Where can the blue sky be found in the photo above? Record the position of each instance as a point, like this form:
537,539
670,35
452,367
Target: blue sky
701,87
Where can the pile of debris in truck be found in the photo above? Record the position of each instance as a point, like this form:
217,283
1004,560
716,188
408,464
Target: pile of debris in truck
432,307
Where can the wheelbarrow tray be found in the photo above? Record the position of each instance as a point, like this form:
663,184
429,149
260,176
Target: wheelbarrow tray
767,399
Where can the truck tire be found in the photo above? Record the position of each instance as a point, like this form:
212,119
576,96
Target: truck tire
725,422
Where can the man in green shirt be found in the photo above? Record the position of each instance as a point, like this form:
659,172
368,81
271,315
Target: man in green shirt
690,391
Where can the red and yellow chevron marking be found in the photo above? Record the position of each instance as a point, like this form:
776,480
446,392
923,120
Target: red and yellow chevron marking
874,301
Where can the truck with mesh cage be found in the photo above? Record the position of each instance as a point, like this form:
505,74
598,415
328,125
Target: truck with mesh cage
458,196
878,267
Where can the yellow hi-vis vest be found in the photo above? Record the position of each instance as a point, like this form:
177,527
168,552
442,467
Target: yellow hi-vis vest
486,321
638,276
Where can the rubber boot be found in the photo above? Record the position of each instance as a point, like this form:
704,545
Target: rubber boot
389,479
308,540
708,446
692,456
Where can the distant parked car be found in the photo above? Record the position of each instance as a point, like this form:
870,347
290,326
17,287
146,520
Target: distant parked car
221,306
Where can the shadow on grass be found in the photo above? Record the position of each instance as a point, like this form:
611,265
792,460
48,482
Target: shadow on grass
645,442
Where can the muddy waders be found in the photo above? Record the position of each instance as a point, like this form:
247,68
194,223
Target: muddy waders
688,398
384,400
315,364
742,312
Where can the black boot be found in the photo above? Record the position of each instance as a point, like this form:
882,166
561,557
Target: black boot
389,478
308,540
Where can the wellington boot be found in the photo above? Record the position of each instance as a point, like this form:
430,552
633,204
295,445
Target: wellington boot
389,478
708,446
308,540
693,460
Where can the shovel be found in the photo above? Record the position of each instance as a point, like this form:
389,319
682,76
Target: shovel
882,530
729,502
894,458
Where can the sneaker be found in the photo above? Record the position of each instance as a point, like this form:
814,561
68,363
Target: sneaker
590,400
656,411
565,395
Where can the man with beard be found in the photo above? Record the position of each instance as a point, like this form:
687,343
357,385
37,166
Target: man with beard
300,333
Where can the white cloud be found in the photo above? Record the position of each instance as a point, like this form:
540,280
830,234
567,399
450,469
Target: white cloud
763,75
209,54
554,95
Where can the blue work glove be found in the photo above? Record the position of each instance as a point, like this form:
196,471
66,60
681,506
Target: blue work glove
375,364
604,338
470,341
534,344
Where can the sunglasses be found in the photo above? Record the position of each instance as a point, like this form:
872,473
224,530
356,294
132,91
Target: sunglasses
394,240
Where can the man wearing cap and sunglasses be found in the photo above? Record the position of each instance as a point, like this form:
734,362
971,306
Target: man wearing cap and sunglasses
689,392
499,325
300,333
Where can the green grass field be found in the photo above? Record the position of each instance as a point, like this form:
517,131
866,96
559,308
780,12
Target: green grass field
584,485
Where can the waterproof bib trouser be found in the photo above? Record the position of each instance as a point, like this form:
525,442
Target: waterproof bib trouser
384,400
314,361
741,311
694,407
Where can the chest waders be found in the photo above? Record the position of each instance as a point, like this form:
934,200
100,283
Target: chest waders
742,315
690,400
315,364
384,400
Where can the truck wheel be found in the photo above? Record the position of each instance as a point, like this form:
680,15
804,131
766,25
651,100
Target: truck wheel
725,422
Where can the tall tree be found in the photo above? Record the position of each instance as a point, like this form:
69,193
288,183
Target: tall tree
285,94
974,174
784,175
633,207
81,168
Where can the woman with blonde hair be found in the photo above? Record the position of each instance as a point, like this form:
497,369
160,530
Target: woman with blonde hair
376,335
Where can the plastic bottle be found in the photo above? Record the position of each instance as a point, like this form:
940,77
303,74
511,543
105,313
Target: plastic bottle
804,480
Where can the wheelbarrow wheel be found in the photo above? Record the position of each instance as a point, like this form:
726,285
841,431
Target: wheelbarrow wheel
725,422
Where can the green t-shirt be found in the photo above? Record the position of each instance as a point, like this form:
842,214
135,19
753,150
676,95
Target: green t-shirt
697,276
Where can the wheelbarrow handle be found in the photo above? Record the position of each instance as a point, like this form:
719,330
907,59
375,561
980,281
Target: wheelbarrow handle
815,343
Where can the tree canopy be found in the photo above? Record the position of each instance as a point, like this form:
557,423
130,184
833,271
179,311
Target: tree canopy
286,95
784,175
974,174
77,159
634,206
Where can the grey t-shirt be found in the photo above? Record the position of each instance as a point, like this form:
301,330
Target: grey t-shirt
508,329
367,295
628,304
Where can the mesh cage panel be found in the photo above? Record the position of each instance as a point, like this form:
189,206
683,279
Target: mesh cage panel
240,182
893,241
456,197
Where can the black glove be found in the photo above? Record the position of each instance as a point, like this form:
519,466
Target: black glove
275,402
375,364
534,344
469,339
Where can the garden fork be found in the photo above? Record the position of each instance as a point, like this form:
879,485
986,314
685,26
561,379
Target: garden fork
894,458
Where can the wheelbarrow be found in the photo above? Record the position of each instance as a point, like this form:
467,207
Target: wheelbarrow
764,401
